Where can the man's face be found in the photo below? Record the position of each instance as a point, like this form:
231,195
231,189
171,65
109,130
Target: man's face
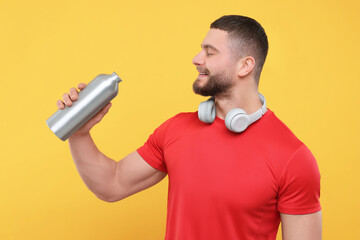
215,65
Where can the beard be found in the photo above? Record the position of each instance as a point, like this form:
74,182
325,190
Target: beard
218,84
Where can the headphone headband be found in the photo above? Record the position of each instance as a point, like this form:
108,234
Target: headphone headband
259,113
236,120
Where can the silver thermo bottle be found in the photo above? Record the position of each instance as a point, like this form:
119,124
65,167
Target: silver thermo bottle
92,99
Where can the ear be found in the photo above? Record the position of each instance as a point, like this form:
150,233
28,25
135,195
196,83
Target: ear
245,65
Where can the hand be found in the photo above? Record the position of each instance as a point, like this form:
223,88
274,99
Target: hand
73,95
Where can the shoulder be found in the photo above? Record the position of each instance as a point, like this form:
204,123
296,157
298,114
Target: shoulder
180,119
281,146
185,116
280,126
177,123
276,134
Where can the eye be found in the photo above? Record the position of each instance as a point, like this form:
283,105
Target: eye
209,53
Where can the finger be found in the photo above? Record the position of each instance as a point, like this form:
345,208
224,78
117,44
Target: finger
67,99
107,107
104,111
60,104
81,86
73,94
100,115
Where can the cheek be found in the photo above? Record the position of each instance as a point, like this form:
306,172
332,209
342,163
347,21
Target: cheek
213,65
217,67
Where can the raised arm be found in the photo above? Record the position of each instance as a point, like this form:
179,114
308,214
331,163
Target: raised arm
107,179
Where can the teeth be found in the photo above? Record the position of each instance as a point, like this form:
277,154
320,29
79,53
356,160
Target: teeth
202,73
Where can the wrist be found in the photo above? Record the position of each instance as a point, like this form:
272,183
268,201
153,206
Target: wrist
79,135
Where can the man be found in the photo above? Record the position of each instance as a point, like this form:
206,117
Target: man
224,182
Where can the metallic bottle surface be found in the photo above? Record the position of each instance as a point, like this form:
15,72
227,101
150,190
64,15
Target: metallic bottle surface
92,99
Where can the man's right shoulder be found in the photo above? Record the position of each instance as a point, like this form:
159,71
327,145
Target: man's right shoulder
182,119
177,124
183,116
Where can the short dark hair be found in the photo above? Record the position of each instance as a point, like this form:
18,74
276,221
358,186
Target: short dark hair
248,36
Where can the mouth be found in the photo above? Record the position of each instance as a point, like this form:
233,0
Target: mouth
202,76
203,73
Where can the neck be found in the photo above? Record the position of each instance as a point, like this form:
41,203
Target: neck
244,98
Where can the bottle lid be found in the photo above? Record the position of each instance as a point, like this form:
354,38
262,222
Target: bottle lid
118,79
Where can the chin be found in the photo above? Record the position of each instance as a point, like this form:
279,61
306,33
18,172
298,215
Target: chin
198,89
200,82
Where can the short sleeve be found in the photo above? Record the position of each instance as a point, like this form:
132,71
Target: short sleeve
153,149
299,184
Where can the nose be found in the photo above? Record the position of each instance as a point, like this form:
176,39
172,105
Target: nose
198,59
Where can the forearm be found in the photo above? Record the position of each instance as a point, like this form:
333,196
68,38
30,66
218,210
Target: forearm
96,170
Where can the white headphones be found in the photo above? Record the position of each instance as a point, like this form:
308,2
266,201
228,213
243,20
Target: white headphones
237,120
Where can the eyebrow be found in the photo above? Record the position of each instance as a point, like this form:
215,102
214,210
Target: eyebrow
208,46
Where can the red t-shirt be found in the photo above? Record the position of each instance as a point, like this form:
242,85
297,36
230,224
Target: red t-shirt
231,186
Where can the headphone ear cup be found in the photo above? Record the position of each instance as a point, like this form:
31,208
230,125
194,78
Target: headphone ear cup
206,111
237,120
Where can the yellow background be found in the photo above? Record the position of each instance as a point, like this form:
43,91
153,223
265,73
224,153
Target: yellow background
310,80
